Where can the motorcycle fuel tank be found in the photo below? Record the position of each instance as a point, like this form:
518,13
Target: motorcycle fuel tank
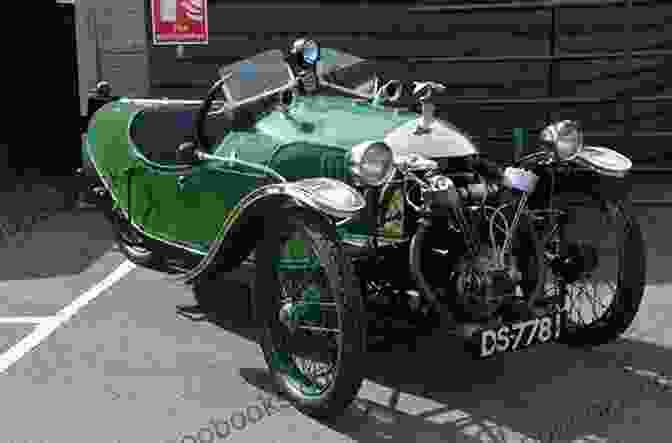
439,140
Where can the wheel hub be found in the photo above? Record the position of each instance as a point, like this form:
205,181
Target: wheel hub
577,262
308,309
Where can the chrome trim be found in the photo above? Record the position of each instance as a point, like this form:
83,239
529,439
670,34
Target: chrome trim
344,221
358,152
439,183
553,134
414,162
431,87
232,159
316,190
381,94
166,101
584,159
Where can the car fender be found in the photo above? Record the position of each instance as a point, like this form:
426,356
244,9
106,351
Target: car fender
241,229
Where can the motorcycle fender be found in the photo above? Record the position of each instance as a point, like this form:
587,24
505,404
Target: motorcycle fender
604,171
241,229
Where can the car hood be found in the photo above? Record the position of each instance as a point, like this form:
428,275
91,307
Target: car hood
332,120
340,123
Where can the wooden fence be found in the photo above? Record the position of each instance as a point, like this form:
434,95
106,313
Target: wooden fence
507,65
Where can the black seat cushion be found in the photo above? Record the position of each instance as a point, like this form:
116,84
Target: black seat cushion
158,132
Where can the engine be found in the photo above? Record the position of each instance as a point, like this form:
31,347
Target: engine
453,223
461,257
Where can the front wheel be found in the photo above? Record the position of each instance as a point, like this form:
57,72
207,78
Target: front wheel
311,312
597,259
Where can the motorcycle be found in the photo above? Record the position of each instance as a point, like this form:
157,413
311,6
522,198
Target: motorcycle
353,210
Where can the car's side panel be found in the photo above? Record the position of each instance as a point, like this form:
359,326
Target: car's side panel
186,207
108,146
205,199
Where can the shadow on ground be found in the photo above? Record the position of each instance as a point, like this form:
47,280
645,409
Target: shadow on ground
617,392
545,394
656,223
438,393
65,243
620,392
233,312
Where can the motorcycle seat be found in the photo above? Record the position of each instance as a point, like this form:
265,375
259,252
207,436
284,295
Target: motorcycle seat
157,132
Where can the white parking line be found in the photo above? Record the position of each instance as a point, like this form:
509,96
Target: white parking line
12,320
47,325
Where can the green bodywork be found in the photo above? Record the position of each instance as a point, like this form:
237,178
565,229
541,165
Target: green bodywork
188,206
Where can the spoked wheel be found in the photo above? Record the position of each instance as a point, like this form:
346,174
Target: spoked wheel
597,266
311,311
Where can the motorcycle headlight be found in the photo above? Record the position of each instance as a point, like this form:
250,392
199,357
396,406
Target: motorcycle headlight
372,162
566,138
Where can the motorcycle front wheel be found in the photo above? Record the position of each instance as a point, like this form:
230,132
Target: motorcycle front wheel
597,265
311,313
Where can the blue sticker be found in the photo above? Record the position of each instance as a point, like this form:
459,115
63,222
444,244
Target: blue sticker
248,71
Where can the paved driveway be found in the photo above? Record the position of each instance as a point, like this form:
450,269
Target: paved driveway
116,363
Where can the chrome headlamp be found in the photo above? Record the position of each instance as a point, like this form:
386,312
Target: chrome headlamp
372,162
565,137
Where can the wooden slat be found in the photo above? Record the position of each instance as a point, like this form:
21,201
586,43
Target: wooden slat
612,18
465,79
394,31
646,150
319,19
602,117
596,118
466,43
470,7
613,41
605,78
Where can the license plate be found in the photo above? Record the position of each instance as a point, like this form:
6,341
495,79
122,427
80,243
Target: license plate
515,336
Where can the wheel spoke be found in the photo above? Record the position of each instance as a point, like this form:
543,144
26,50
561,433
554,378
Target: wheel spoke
594,299
320,329
582,319
574,301
301,347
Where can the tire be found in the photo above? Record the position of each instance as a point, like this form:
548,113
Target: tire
336,279
129,242
630,282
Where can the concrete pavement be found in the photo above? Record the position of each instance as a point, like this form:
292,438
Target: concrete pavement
128,368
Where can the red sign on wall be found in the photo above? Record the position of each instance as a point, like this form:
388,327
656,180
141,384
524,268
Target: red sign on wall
179,22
